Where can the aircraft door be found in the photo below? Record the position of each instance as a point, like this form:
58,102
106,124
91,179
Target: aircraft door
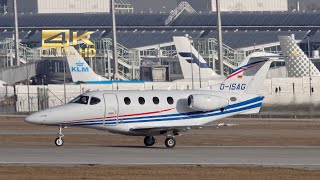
111,110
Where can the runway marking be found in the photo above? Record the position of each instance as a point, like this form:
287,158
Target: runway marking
157,147
126,146
313,147
274,165
274,156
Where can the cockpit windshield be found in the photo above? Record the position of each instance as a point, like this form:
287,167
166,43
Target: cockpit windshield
80,100
94,100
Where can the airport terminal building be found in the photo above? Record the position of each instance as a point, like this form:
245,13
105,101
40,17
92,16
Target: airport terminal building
145,45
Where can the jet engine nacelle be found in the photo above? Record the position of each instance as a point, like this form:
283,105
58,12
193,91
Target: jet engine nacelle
205,102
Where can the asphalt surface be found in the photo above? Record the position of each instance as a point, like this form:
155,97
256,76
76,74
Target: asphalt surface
16,148
274,156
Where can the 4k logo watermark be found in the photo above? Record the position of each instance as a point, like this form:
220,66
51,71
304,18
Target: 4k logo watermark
58,40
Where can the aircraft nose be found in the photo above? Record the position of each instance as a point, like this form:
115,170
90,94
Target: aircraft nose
36,118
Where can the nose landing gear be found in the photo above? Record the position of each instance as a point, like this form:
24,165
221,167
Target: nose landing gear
59,141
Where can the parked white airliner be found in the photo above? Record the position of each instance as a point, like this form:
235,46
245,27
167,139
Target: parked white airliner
297,62
81,72
3,89
167,112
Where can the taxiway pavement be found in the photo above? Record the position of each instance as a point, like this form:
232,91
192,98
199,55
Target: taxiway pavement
274,156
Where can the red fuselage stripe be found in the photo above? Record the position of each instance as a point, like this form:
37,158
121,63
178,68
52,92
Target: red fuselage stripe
125,115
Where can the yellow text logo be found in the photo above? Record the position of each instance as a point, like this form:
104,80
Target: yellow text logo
59,39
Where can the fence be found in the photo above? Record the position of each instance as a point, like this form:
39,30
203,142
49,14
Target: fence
279,91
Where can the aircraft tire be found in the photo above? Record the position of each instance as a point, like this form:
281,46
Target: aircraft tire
170,142
58,141
149,141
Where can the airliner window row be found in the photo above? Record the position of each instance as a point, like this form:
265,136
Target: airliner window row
142,101
94,100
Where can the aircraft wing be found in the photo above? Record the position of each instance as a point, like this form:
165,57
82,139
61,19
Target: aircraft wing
178,128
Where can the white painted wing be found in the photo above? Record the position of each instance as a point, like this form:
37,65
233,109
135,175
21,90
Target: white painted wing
178,128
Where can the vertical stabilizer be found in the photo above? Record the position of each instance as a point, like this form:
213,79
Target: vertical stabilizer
79,68
249,77
297,62
190,60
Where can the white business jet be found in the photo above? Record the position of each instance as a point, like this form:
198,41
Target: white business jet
167,112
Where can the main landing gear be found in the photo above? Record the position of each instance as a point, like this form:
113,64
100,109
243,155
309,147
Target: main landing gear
59,140
149,141
170,142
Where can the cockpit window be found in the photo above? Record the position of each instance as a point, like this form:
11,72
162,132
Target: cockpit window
94,100
80,100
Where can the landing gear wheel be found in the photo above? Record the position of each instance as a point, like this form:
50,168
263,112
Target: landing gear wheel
170,142
59,142
149,141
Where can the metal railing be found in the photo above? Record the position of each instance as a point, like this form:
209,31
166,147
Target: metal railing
177,11
127,58
7,54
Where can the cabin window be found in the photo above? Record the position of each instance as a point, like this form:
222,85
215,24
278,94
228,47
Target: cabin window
233,99
141,100
155,100
80,100
170,100
127,100
94,100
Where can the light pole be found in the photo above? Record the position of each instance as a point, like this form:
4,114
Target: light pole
114,38
28,85
309,54
191,63
109,63
16,33
64,80
219,29
199,64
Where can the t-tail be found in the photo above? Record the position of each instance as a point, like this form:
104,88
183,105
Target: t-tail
191,61
80,71
297,62
249,77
